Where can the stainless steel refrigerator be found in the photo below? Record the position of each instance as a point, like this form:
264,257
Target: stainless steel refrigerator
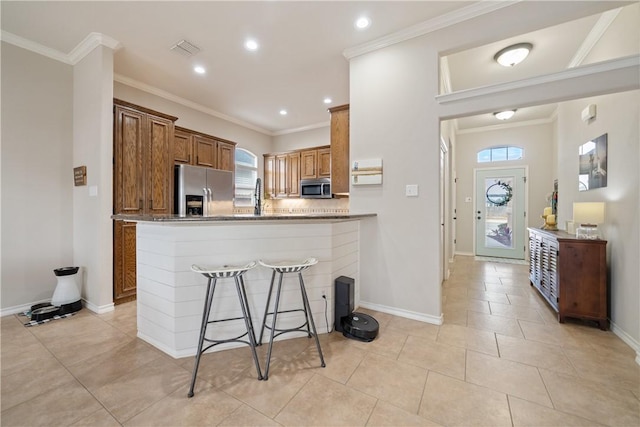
201,191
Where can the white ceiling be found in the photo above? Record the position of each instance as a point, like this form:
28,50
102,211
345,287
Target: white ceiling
300,60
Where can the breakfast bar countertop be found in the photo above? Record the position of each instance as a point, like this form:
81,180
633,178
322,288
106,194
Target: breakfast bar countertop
244,217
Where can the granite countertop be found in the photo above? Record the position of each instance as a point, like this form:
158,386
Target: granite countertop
244,217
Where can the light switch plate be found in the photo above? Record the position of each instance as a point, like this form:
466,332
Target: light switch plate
93,191
411,190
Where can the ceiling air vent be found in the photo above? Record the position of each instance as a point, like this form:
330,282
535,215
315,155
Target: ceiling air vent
185,48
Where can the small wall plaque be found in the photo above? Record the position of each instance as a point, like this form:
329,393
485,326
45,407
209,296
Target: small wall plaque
365,172
80,176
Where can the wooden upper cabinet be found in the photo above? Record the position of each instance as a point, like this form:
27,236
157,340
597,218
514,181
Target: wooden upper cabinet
128,152
143,178
340,149
324,162
182,147
199,149
280,171
309,164
269,177
293,175
205,151
159,172
226,156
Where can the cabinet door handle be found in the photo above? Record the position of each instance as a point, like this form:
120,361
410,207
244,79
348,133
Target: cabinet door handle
141,204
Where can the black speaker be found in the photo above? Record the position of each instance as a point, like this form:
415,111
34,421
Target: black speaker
344,293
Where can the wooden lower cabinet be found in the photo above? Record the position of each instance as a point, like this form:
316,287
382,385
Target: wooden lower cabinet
571,274
124,261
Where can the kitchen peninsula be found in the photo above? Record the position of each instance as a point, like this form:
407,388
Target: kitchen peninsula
170,296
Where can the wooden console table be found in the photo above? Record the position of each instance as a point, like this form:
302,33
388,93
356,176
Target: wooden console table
570,273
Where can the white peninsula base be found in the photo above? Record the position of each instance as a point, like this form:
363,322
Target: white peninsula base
170,297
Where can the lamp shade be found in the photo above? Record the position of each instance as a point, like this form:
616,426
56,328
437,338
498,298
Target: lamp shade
588,213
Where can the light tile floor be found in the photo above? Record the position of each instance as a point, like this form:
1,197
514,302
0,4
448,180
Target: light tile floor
500,358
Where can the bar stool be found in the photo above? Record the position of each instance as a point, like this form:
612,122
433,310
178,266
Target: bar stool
213,274
308,326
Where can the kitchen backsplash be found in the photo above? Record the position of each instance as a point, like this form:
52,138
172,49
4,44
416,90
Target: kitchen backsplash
299,206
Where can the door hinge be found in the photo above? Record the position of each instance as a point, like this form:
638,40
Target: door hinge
455,180
455,241
524,178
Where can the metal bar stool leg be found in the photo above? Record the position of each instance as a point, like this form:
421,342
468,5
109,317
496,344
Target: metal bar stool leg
266,311
211,286
309,316
248,323
273,326
246,304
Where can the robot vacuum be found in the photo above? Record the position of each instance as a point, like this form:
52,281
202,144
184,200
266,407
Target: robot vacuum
359,326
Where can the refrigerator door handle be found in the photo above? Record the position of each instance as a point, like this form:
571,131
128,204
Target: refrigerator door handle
205,202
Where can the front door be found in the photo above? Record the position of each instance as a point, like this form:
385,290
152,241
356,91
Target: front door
499,213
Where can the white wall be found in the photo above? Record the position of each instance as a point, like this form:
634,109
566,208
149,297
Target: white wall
617,116
93,203
392,118
37,175
537,142
303,139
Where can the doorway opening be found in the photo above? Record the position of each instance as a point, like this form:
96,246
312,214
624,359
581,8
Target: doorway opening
500,196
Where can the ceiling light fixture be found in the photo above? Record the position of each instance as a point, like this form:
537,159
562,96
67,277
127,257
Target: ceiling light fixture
283,112
251,45
362,23
504,115
513,55
327,101
199,69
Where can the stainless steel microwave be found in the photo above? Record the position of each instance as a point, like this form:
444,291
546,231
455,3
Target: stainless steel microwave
315,188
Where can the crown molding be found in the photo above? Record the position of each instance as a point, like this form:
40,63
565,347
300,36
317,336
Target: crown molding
598,30
89,43
472,11
76,55
182,101
34,47
571,73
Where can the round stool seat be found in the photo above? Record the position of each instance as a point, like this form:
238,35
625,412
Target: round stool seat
280,268
223,271
289,266
213,274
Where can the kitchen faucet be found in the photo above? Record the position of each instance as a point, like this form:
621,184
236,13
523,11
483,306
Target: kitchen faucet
257,208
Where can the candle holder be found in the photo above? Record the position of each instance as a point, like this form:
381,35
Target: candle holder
549,222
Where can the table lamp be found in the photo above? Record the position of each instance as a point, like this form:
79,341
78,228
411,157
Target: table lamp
587,216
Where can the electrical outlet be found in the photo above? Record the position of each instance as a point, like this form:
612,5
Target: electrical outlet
324,294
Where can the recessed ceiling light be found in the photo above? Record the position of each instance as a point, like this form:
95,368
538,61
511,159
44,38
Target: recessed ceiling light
513,55
327,101
251,44
283,112
199,69
504,115
362,22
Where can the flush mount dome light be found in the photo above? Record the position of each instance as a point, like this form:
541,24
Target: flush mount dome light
504,115
283,112
513,55
251,44
362,22
199,69
327,100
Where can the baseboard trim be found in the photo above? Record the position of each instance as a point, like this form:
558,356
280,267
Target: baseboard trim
465,253
99,309
628,339
19,308
422,317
